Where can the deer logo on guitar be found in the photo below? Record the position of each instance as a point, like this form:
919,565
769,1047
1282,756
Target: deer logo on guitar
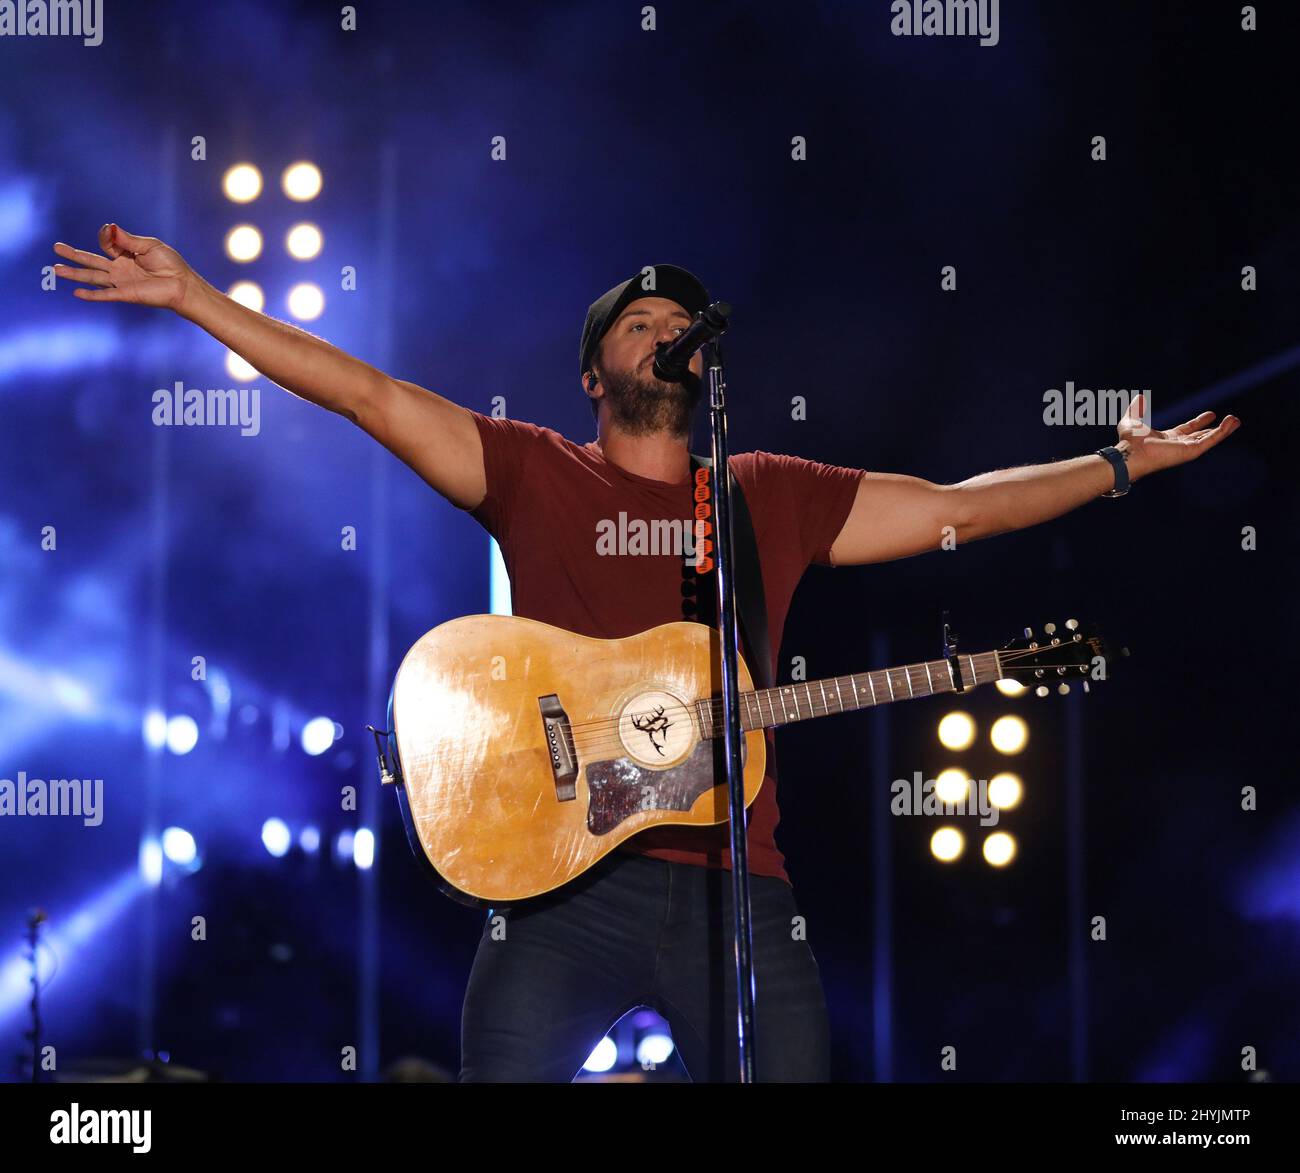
656,722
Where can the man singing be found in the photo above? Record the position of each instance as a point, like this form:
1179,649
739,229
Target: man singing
651,923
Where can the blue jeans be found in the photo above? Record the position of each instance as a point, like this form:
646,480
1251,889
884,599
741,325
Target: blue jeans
554,973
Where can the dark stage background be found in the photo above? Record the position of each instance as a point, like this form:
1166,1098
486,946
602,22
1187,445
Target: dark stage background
624,148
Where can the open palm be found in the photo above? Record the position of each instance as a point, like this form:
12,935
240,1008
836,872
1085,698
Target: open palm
1153,449
138,269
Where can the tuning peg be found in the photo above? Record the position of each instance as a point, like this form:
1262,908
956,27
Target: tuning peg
1041,690
1085,687
1050,628
1029,633
1072,624
1063,689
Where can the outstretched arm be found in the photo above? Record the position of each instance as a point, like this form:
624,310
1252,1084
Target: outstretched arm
894,516
436,437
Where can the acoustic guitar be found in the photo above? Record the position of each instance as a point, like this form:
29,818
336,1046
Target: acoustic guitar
522,753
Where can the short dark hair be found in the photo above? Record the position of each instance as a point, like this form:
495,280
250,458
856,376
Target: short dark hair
595,358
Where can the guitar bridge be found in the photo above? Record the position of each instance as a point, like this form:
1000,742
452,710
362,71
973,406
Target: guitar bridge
559,747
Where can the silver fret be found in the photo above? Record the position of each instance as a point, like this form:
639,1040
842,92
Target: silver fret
753,711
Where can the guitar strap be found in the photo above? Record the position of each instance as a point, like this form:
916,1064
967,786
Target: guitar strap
751,605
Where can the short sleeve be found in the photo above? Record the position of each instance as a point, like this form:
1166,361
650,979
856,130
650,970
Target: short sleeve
816,497
508,446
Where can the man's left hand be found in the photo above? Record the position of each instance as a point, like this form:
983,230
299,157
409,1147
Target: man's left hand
1150,450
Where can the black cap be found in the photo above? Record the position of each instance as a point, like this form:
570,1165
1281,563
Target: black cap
669,281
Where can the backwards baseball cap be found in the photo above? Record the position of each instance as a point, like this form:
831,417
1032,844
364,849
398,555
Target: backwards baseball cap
670,281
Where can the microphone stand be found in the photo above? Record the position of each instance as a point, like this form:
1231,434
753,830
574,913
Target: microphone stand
34,919
731,712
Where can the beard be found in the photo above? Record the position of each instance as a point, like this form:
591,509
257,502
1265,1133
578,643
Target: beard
642,405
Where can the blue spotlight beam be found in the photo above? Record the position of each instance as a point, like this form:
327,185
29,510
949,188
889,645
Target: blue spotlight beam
1216,393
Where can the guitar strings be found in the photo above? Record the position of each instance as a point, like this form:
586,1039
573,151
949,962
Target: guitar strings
602,734
754,693
751,698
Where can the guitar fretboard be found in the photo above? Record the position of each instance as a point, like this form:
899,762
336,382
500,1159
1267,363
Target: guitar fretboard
769,707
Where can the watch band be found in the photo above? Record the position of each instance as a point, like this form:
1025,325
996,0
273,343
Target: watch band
1119,462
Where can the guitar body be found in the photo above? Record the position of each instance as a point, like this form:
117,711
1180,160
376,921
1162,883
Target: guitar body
527,753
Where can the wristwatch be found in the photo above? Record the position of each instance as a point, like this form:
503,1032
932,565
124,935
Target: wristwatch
1119,462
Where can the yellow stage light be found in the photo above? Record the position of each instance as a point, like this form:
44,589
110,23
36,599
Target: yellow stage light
247,293
238,369
1009,734
301,181
947,843
1005,790
306,301
957,730
304,242
243,243
952,785
1000,849
242,183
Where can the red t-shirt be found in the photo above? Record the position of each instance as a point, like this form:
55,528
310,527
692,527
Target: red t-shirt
545,498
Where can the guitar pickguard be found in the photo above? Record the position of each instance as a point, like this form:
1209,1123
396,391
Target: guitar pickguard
620,788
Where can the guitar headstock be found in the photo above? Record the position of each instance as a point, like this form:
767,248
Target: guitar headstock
1058,656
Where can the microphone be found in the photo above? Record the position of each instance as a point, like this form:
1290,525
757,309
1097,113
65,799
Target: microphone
673,359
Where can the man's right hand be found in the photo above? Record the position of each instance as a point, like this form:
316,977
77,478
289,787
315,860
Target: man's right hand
138,269
434,436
